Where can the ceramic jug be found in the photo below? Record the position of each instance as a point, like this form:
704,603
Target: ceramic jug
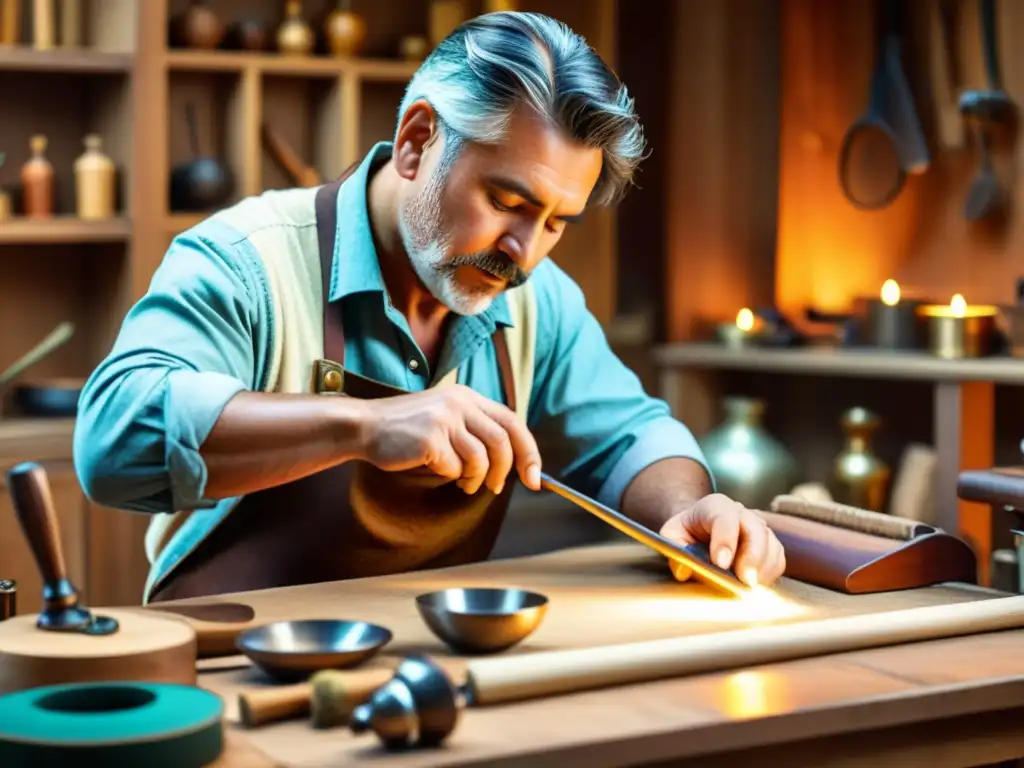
37,181
749,465
94,181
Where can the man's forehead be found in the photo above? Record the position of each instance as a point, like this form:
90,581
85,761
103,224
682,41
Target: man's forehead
540,164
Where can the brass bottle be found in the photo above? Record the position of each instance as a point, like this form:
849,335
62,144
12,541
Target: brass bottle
94,181
37,181
345,30
295,36
861,478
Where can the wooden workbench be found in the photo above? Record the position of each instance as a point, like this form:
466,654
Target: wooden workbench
955,702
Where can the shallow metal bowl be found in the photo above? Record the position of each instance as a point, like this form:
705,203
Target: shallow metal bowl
293,650
482,619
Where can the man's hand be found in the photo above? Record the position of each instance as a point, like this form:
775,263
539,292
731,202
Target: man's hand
737,537
453,431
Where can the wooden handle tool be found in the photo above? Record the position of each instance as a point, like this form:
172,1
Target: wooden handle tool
550,673
328,698
695,557
289,160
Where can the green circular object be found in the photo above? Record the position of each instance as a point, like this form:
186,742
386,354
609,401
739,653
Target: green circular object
150,725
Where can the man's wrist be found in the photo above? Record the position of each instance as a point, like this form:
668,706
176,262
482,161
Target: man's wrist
352,421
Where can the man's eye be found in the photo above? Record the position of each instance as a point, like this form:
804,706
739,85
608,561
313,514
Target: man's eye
498,206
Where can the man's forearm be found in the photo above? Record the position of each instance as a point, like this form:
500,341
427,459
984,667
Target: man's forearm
263,440
663,489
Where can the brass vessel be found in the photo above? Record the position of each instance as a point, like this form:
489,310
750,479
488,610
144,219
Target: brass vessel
861,477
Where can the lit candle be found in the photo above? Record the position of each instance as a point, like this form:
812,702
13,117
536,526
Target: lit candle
892,319
738,334
958,329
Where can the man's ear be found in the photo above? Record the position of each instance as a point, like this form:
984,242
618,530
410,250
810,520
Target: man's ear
417,131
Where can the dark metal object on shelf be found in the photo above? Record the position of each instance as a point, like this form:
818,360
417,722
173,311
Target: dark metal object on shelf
33,504
202,183
8,599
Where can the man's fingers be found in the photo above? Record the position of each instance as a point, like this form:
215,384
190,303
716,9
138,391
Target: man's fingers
474,459
753,547
524,447
775,562
723,527
445,461
499,448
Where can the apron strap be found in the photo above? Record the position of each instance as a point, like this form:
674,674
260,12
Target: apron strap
326,207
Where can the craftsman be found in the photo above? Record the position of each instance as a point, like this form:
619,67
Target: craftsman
418,286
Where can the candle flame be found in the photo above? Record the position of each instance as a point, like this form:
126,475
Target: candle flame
890,293
745,320
958,306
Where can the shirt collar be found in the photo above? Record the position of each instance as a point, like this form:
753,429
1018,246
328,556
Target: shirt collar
354,247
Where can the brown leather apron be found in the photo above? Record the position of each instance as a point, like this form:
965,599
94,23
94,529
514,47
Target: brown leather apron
350,521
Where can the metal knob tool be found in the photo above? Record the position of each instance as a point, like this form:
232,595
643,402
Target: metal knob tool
33,504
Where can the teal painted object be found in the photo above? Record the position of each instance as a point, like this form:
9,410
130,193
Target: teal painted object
150,725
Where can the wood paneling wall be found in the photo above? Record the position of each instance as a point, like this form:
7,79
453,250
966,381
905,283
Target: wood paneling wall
828,252
723,153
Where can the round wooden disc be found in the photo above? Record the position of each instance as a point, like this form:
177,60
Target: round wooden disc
158,649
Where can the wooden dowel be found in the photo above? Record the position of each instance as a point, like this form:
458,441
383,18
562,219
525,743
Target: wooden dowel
492,681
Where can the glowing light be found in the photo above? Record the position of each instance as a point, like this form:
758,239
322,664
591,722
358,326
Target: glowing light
745,320
958,306
890,293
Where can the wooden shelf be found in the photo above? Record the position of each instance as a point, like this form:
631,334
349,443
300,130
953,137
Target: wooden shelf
24,439
381,70
73,61
64,229
854,363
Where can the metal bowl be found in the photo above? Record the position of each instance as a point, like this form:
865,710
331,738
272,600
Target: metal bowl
482,619
293,650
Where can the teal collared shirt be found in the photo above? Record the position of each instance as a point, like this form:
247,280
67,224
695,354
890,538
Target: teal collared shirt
204,332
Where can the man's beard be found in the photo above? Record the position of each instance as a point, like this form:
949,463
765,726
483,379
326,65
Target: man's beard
428,245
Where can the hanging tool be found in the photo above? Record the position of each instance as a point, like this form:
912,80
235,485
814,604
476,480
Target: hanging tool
986,110
886,143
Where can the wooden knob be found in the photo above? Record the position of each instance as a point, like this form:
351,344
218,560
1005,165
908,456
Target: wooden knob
33,504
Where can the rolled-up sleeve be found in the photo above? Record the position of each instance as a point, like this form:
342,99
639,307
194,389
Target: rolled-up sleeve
596,426
184,350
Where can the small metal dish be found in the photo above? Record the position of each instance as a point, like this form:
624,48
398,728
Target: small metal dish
482,619
294,650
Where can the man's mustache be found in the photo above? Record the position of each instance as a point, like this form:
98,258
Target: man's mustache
497,264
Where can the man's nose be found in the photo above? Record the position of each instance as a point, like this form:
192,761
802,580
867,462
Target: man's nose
521,244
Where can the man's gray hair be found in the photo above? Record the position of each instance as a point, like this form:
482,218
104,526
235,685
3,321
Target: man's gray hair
495,62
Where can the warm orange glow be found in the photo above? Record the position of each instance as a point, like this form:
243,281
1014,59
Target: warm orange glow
745,320
890,293
747,694
958,306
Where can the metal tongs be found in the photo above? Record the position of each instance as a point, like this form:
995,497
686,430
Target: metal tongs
696,557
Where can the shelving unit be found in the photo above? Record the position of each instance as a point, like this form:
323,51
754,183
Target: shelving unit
961,395
124,83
